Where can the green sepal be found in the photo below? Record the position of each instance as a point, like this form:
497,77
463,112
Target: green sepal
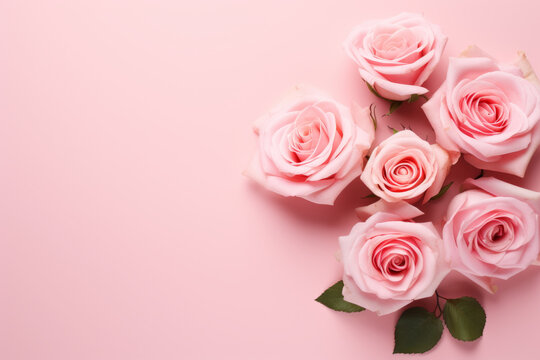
443,191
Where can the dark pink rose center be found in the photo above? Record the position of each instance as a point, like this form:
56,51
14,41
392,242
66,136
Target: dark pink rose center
396,43
496,235
404,174
312,133
395,256
483,112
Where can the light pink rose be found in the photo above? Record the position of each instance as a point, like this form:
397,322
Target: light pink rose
396,55
311,146
492,231
404,167
488,111
389,261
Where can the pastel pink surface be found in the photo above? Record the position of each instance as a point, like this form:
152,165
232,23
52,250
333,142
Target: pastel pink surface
126,228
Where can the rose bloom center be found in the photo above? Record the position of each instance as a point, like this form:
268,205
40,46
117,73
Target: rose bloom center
492,234
393,257
496,235
394,42
483,112
403,174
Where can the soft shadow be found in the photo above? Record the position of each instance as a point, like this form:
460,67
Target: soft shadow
305,211
518,284
381,325
457,285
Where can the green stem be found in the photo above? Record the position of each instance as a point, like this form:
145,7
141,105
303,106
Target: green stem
438,304
442,297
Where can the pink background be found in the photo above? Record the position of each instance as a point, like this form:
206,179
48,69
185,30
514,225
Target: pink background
126,228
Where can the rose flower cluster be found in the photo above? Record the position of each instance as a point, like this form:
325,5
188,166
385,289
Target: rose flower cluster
312,146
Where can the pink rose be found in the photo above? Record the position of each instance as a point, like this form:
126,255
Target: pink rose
488,112
389,261
311,146
403,167
395,56
492,231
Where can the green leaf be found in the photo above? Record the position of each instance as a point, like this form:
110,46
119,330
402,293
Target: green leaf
417,331
333,299
465,318
443,191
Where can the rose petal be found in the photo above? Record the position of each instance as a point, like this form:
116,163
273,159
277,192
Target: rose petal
444,163
401,210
